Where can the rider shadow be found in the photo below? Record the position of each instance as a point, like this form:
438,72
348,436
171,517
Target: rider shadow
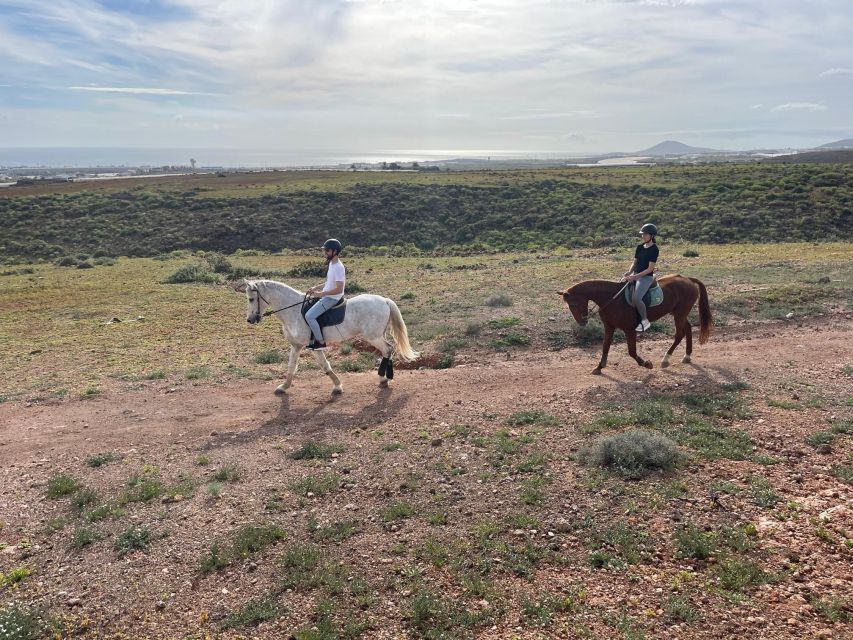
319,418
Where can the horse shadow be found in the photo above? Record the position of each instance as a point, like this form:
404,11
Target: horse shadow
701,376
312,420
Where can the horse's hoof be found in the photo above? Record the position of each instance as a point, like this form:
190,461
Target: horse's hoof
383,384
596,372
686,360
280,389
336,391
648,365
664,364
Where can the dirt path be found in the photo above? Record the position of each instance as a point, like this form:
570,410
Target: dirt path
162,414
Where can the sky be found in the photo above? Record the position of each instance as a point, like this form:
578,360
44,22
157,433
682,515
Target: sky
573,76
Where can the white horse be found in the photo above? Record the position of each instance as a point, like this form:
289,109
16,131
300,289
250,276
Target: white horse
367,316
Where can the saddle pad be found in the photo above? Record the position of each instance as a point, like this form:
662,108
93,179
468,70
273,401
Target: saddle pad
330,318
653,297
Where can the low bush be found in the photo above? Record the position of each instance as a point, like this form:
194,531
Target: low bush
634,453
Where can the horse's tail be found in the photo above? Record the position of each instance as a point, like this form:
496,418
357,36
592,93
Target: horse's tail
400,333
706,318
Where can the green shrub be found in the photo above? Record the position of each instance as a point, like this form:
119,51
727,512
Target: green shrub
316,485
736,574
14,577
251,539
217,263
678,608
691,253
313,450
198,372
397,511
308,270
83,497
510,340
522,418
228,473
61,485
133,539
82,536
504,322
254,612
694,543
190,273
634,453
100,459
270,356
450,345
142,488
20,623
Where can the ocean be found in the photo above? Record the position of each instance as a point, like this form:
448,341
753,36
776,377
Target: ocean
59,157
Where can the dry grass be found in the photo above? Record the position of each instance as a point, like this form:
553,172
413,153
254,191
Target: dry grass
56,342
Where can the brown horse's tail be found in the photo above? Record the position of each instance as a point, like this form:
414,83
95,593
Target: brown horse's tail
706,318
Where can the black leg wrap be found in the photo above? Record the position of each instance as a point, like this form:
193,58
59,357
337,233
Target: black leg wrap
389,372
383,366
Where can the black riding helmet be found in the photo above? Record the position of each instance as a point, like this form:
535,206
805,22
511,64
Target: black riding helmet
649,228
333,244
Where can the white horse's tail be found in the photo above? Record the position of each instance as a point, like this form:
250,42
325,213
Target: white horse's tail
400,333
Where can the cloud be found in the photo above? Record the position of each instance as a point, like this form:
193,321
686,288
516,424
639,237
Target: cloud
143,90
835,71
388,74
585,113
800,106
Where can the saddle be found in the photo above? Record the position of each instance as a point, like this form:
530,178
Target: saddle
653,297
328,318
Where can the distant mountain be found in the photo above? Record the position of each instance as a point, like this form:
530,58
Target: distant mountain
673,148
847,143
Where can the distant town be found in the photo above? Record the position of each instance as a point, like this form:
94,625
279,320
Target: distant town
667,152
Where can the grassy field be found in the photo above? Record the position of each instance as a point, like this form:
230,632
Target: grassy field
240,185
56,338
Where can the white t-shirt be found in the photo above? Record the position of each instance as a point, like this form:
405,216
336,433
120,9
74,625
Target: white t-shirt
336,273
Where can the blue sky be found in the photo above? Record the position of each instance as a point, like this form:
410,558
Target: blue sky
376,75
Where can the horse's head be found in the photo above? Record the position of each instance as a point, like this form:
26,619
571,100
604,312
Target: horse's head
254,300
578,305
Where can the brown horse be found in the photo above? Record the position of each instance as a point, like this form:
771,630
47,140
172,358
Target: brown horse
680,294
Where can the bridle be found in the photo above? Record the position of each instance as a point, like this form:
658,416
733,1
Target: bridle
585,316
270,312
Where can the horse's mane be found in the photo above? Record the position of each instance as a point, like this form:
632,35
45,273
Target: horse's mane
589,287
274,285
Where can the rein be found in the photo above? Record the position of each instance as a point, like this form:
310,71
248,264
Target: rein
602,307
270,312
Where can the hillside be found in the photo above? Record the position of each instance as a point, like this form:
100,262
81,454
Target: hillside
823,157
847,143
473,211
